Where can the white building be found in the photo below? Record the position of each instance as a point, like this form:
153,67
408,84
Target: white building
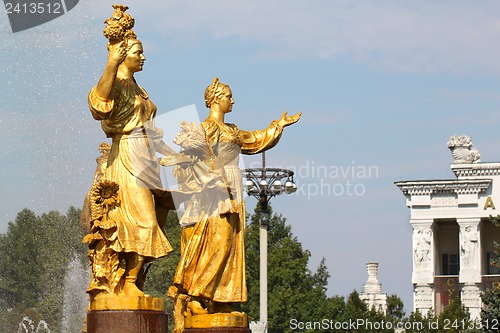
453,237
372,294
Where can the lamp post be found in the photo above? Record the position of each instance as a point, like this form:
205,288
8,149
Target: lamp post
263,184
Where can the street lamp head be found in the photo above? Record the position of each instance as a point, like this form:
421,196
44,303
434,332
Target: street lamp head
249,185
269,181
290,187
277,186
263,184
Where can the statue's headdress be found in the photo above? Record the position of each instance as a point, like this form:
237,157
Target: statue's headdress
213,91
119,25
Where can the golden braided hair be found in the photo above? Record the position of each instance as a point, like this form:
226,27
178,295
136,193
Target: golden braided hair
213,92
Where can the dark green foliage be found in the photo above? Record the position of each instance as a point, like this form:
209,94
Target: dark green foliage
417,323
34,256
395,306
35,253
355,307
294,292
366,320
496,221
161,272
455,318
20,260
490,315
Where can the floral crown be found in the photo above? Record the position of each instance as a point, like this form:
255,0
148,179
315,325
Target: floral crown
119,25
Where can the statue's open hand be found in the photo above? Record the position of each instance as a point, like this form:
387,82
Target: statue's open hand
288,120
117,53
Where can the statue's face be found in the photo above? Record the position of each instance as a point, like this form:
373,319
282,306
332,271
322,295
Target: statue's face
226,100
135,58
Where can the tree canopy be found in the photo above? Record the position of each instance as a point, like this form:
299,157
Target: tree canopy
490,315
294,292
36,251
34,257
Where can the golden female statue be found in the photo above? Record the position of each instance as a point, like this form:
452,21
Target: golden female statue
129,205
211,272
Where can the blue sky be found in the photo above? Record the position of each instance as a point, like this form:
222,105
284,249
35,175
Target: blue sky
381,84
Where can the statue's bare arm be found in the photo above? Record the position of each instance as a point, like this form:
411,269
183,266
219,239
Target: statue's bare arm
116,55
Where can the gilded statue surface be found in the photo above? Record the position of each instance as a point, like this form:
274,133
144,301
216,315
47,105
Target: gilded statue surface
128,204
210,276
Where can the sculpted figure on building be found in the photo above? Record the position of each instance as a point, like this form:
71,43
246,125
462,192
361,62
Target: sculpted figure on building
469,246
422,250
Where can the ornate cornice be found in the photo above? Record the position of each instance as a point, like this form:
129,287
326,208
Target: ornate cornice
472,170
428,187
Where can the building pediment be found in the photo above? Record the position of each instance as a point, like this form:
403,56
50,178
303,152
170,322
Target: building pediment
429,187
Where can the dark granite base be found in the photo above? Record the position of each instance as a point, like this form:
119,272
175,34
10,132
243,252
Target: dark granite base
124,321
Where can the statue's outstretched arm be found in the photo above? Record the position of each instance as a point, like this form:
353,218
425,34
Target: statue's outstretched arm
289,120
260,140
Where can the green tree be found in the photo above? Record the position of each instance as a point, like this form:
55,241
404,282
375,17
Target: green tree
20,268
355,308
456,318
496,221
418,323
62,239
294,292
36,250
35,253
360,318
490,314
161,271
395,307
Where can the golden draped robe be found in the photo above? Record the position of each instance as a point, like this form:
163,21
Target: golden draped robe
212,264
127,117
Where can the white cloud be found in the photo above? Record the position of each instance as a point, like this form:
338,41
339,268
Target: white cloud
408,36
459,37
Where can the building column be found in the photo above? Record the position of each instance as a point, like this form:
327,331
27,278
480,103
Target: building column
470,264
423,265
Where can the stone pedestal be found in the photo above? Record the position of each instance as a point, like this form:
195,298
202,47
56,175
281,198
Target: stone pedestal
471,298
218,330
123,321
118,314
217,323
423,298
